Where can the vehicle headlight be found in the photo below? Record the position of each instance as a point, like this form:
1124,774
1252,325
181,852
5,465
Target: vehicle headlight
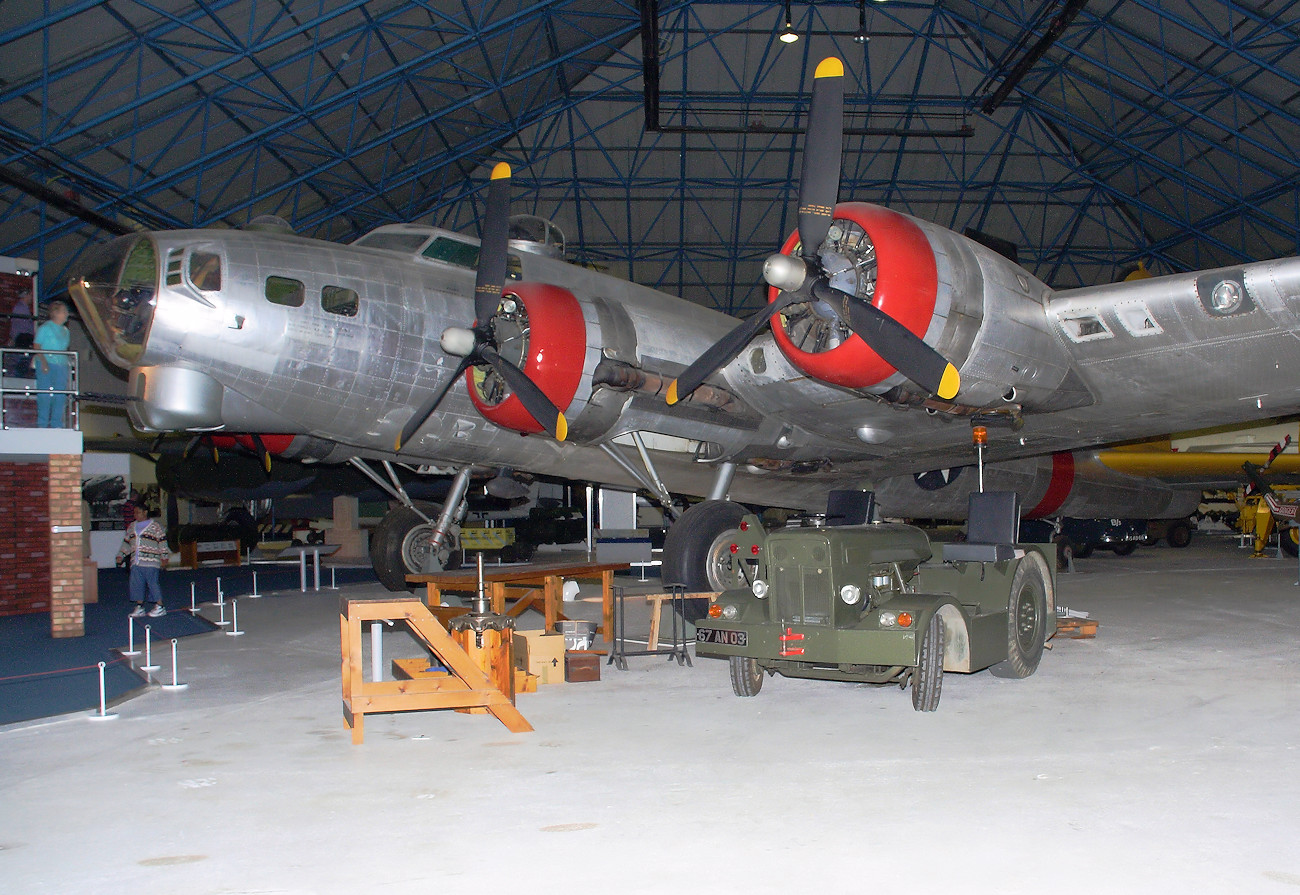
850,593
881,580
729,611
888,619
759,588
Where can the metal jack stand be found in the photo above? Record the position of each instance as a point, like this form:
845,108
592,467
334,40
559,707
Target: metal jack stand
619,653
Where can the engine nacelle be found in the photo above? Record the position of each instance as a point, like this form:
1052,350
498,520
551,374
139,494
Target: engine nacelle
541,329
981,311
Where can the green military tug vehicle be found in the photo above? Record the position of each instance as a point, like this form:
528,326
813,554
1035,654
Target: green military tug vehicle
846,599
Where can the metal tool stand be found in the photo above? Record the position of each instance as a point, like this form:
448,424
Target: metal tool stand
619,653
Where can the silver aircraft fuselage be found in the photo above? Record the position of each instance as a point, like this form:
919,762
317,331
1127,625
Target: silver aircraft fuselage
332,346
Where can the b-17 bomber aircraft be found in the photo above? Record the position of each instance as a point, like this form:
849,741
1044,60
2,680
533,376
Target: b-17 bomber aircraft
885,339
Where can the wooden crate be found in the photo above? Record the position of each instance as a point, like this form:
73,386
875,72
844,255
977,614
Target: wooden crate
1077,628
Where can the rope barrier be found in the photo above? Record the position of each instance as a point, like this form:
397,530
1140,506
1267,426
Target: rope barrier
17,677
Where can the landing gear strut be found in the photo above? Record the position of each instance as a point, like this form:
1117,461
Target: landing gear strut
408,541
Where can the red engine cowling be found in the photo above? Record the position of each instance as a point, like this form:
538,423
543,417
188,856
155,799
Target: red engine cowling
906,288
557,348
275,444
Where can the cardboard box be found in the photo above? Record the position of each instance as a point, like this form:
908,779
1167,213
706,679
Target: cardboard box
580,665
542,654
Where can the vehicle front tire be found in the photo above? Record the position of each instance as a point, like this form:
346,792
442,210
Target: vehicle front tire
696,554
1179,534
746,676
399,546
1124,548
927,677
1026,619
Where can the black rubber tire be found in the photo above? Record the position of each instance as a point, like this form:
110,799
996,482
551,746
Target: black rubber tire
687,546
1082,551
927,676
1026,619
1291,541
386,556
1179,534
746,676
1124,548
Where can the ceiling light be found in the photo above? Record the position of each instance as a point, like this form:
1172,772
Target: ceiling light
861,37
787,34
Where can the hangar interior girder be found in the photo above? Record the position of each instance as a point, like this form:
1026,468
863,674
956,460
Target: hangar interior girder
1160,131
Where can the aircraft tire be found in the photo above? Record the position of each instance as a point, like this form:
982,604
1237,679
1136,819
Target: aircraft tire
691,543
1291,541
927,677
1026,619
746,676
393,546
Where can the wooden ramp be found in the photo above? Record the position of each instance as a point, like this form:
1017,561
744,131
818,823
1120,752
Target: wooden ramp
464,687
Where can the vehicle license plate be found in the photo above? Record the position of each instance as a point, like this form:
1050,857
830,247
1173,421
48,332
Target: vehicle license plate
726,638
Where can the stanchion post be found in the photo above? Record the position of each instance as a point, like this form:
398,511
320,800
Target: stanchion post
174,685
302,571
222,620
234,613
254,595
130,638
148,652
315,559
194,606
102,714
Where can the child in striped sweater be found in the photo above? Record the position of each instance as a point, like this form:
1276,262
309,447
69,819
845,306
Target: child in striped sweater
146,545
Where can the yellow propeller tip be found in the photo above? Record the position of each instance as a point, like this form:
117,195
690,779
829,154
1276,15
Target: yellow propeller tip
950,383
671,397
500,170
830,67
397,445
561,427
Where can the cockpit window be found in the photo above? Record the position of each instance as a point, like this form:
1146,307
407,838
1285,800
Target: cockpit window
394,242
338,300
205,271
454,252
285,291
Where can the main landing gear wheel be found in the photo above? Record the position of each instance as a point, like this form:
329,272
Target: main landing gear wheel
746,676
1026,618
927,677
697,552
401,546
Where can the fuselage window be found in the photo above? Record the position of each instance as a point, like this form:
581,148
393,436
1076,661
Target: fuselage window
338,300
284,291
460,254
205,271
394,242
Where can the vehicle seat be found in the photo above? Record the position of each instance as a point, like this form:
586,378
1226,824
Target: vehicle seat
992,529
848,507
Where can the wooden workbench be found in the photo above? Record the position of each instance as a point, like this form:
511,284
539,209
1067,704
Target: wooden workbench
527,579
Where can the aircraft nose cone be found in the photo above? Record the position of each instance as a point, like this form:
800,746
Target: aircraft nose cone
115,290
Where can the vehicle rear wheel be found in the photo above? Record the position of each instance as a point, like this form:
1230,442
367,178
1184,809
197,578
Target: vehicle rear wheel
746,676
1291,541
927,677
1124,548
1179,535
1026,619
400,546
696,552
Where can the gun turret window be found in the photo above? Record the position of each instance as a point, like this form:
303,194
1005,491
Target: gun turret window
205,271
284,291
338,300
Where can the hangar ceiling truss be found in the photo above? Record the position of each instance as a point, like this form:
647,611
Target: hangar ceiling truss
1091,135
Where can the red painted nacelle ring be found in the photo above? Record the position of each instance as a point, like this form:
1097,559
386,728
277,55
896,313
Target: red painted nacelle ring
275,444
907,284
557,348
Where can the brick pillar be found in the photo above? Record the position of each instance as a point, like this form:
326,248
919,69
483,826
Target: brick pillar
24,538
67,612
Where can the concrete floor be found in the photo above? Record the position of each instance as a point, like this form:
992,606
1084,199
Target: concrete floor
1161,757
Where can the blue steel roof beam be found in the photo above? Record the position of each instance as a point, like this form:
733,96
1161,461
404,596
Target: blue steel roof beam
293,59
1139,153
244,143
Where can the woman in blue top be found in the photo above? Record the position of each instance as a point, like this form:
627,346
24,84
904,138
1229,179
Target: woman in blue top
52,369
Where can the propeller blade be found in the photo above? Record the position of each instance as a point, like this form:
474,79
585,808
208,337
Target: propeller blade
722,351
262,453
157,443
426,410
819,184
540,407
495,232
195,442
898,345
